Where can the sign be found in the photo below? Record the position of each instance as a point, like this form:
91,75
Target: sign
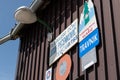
88,29
88,36
88,59
87,20
67,39
63,67
48,74
88,43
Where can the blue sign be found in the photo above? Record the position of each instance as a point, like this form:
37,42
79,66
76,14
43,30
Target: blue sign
89,42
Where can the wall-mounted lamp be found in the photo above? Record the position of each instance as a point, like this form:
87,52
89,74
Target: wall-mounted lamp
26,16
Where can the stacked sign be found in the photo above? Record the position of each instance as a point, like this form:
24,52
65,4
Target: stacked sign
88,35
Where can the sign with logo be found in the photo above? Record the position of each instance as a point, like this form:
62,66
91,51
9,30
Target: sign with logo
67,39
87,20
88,36
88,29
48,74
63,67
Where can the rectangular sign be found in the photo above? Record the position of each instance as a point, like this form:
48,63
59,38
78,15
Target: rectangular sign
88,29
88,36
67,39
88,43
87,20
89,59
48,75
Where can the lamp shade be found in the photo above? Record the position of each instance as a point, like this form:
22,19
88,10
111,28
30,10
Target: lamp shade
25,15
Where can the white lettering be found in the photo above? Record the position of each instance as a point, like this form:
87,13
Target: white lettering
88,43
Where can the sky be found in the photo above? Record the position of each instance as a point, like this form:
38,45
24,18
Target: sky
9,50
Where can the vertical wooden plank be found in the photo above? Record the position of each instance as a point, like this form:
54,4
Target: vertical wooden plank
74,15
30,55
38,53
116,23
57,19
26,65
24,59
22,68
79,3
67,23
57,28
62,14
101,73
80,6
46,59
32,52
54,32
43,42
35,40
109,41
90,73
26,56
53,19
27,53
20,60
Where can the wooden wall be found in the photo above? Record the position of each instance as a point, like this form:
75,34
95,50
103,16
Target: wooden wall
34,48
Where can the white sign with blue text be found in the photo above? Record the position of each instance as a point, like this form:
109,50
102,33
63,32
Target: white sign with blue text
88,29
67,39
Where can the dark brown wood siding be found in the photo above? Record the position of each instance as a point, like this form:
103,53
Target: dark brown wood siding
33,57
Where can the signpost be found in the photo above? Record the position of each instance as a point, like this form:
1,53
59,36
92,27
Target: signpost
88,36
67,39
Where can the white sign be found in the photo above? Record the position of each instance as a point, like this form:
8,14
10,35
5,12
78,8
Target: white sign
88,29
87,21
88,59
48,74
88,36
67,39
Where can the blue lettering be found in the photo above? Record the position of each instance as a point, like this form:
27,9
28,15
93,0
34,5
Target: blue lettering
66,38
52,51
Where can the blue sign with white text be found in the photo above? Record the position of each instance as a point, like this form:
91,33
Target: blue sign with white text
89,42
